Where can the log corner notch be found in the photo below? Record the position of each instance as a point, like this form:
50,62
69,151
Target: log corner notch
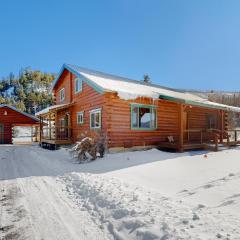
181,127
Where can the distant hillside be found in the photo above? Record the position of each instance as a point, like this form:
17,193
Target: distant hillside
29,92
228,98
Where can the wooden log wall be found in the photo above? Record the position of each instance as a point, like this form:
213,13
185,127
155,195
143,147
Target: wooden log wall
120,133
116,116
9,118
197,118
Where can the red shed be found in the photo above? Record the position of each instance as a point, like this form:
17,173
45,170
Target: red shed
10,117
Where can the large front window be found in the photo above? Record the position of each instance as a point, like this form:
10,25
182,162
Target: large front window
143,117
95,118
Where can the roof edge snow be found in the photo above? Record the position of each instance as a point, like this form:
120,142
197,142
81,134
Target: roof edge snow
103,82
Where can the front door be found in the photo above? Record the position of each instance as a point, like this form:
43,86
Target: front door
1,133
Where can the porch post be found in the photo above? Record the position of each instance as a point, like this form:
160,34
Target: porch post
36,133
31,133
69,125
181,128
40,132
222,126
50,126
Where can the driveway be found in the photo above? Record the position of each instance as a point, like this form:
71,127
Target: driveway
32,203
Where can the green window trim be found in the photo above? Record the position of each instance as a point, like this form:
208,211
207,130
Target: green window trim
78,85
93,113
62,95
151,107
80,117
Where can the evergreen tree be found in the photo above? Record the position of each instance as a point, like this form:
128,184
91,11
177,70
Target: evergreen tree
21,106
146,78
31,90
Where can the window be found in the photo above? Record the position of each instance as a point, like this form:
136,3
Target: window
62,94
78,85
143,117
95,118
80,118
212,121
62,124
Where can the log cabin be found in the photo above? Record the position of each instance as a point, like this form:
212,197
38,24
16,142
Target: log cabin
11,117
132,114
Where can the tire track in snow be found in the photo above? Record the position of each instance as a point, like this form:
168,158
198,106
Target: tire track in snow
48,214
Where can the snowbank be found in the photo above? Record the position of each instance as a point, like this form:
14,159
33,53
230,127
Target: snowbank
132,195
132,212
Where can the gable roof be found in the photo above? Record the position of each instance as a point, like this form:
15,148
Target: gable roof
19,111
132,89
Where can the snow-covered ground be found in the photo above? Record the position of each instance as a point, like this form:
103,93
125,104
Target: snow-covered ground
133,195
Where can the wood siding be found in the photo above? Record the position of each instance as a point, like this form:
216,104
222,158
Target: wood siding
197,118
86,100
116,116
120,133
12,118
64,82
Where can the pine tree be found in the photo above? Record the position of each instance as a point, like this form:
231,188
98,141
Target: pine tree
146,78
21,106
31,90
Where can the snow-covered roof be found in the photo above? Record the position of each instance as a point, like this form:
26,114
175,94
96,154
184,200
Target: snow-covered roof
132,89
51,108
17,110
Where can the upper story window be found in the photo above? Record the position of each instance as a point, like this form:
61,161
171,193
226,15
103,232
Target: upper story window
79,117
95,118
62,94
78,85
143,117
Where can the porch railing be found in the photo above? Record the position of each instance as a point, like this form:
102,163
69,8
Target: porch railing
234,135
200,136
212,136
56,133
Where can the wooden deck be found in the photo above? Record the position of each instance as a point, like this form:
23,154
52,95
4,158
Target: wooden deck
57,141
56,136
186,146
205,139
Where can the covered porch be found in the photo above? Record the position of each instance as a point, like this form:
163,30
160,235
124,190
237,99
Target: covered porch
55,125
202,128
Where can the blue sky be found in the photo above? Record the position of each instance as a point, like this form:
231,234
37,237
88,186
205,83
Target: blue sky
180,43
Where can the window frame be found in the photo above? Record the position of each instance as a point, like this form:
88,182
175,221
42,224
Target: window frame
212,119
94,111
81,85
60,94
80,114
151,107
62,124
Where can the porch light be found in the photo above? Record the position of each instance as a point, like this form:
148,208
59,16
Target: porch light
5,113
